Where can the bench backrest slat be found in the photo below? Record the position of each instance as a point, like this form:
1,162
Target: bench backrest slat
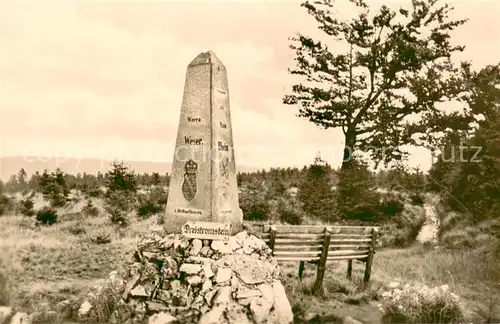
317,229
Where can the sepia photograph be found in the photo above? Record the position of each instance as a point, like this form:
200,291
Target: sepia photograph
249,162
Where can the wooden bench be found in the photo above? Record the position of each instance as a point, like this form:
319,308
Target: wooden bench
320,244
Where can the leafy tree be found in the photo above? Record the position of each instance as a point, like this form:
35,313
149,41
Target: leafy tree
54,187
26,206
253,202
34,182
154,200
21,178
484,90
468,168
315,191
356,198
44,182
290,211
277,188
473,184
59,178
119,205
5,202
120,179
12,184
120,197
156,179
362,89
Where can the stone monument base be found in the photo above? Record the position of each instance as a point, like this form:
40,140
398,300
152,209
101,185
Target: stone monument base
174,279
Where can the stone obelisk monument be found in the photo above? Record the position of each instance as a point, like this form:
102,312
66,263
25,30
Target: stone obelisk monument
203,180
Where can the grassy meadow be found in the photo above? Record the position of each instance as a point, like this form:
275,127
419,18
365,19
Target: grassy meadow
42,266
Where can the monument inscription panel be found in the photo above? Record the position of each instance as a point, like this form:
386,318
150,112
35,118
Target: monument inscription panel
207,230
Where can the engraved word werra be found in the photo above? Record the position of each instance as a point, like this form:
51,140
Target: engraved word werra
194,119
192,141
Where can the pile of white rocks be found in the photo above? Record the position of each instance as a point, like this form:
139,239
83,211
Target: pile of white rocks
174,279
9,316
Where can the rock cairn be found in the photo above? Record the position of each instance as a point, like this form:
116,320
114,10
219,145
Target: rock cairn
178,280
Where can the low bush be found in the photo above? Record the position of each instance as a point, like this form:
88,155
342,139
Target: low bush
450,220
100,238
290,212
104,234
75,200
391,206
5,286
94,192
257,211
152,202
104,299
402,230
6,204
417,199
89,209
76,229
57,200
119,206
26,206
471,236
362,207
420,304
253,202
46,216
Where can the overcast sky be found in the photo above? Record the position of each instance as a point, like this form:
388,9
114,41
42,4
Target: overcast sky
104,79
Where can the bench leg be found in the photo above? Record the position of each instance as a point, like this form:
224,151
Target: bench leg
318,285
371,254
368,268
349,269
301,269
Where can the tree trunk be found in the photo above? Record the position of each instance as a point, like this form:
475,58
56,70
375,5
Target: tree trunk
350,141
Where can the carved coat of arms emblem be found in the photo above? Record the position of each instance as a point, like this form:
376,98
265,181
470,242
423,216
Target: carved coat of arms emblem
190,185
224,168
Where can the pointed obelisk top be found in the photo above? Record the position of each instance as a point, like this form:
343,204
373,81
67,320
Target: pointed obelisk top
208,57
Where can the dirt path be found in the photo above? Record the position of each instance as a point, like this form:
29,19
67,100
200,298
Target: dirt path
429,232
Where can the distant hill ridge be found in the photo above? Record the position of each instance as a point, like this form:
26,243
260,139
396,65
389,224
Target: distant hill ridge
11,165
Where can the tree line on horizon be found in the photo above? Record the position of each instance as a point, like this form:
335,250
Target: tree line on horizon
289,177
